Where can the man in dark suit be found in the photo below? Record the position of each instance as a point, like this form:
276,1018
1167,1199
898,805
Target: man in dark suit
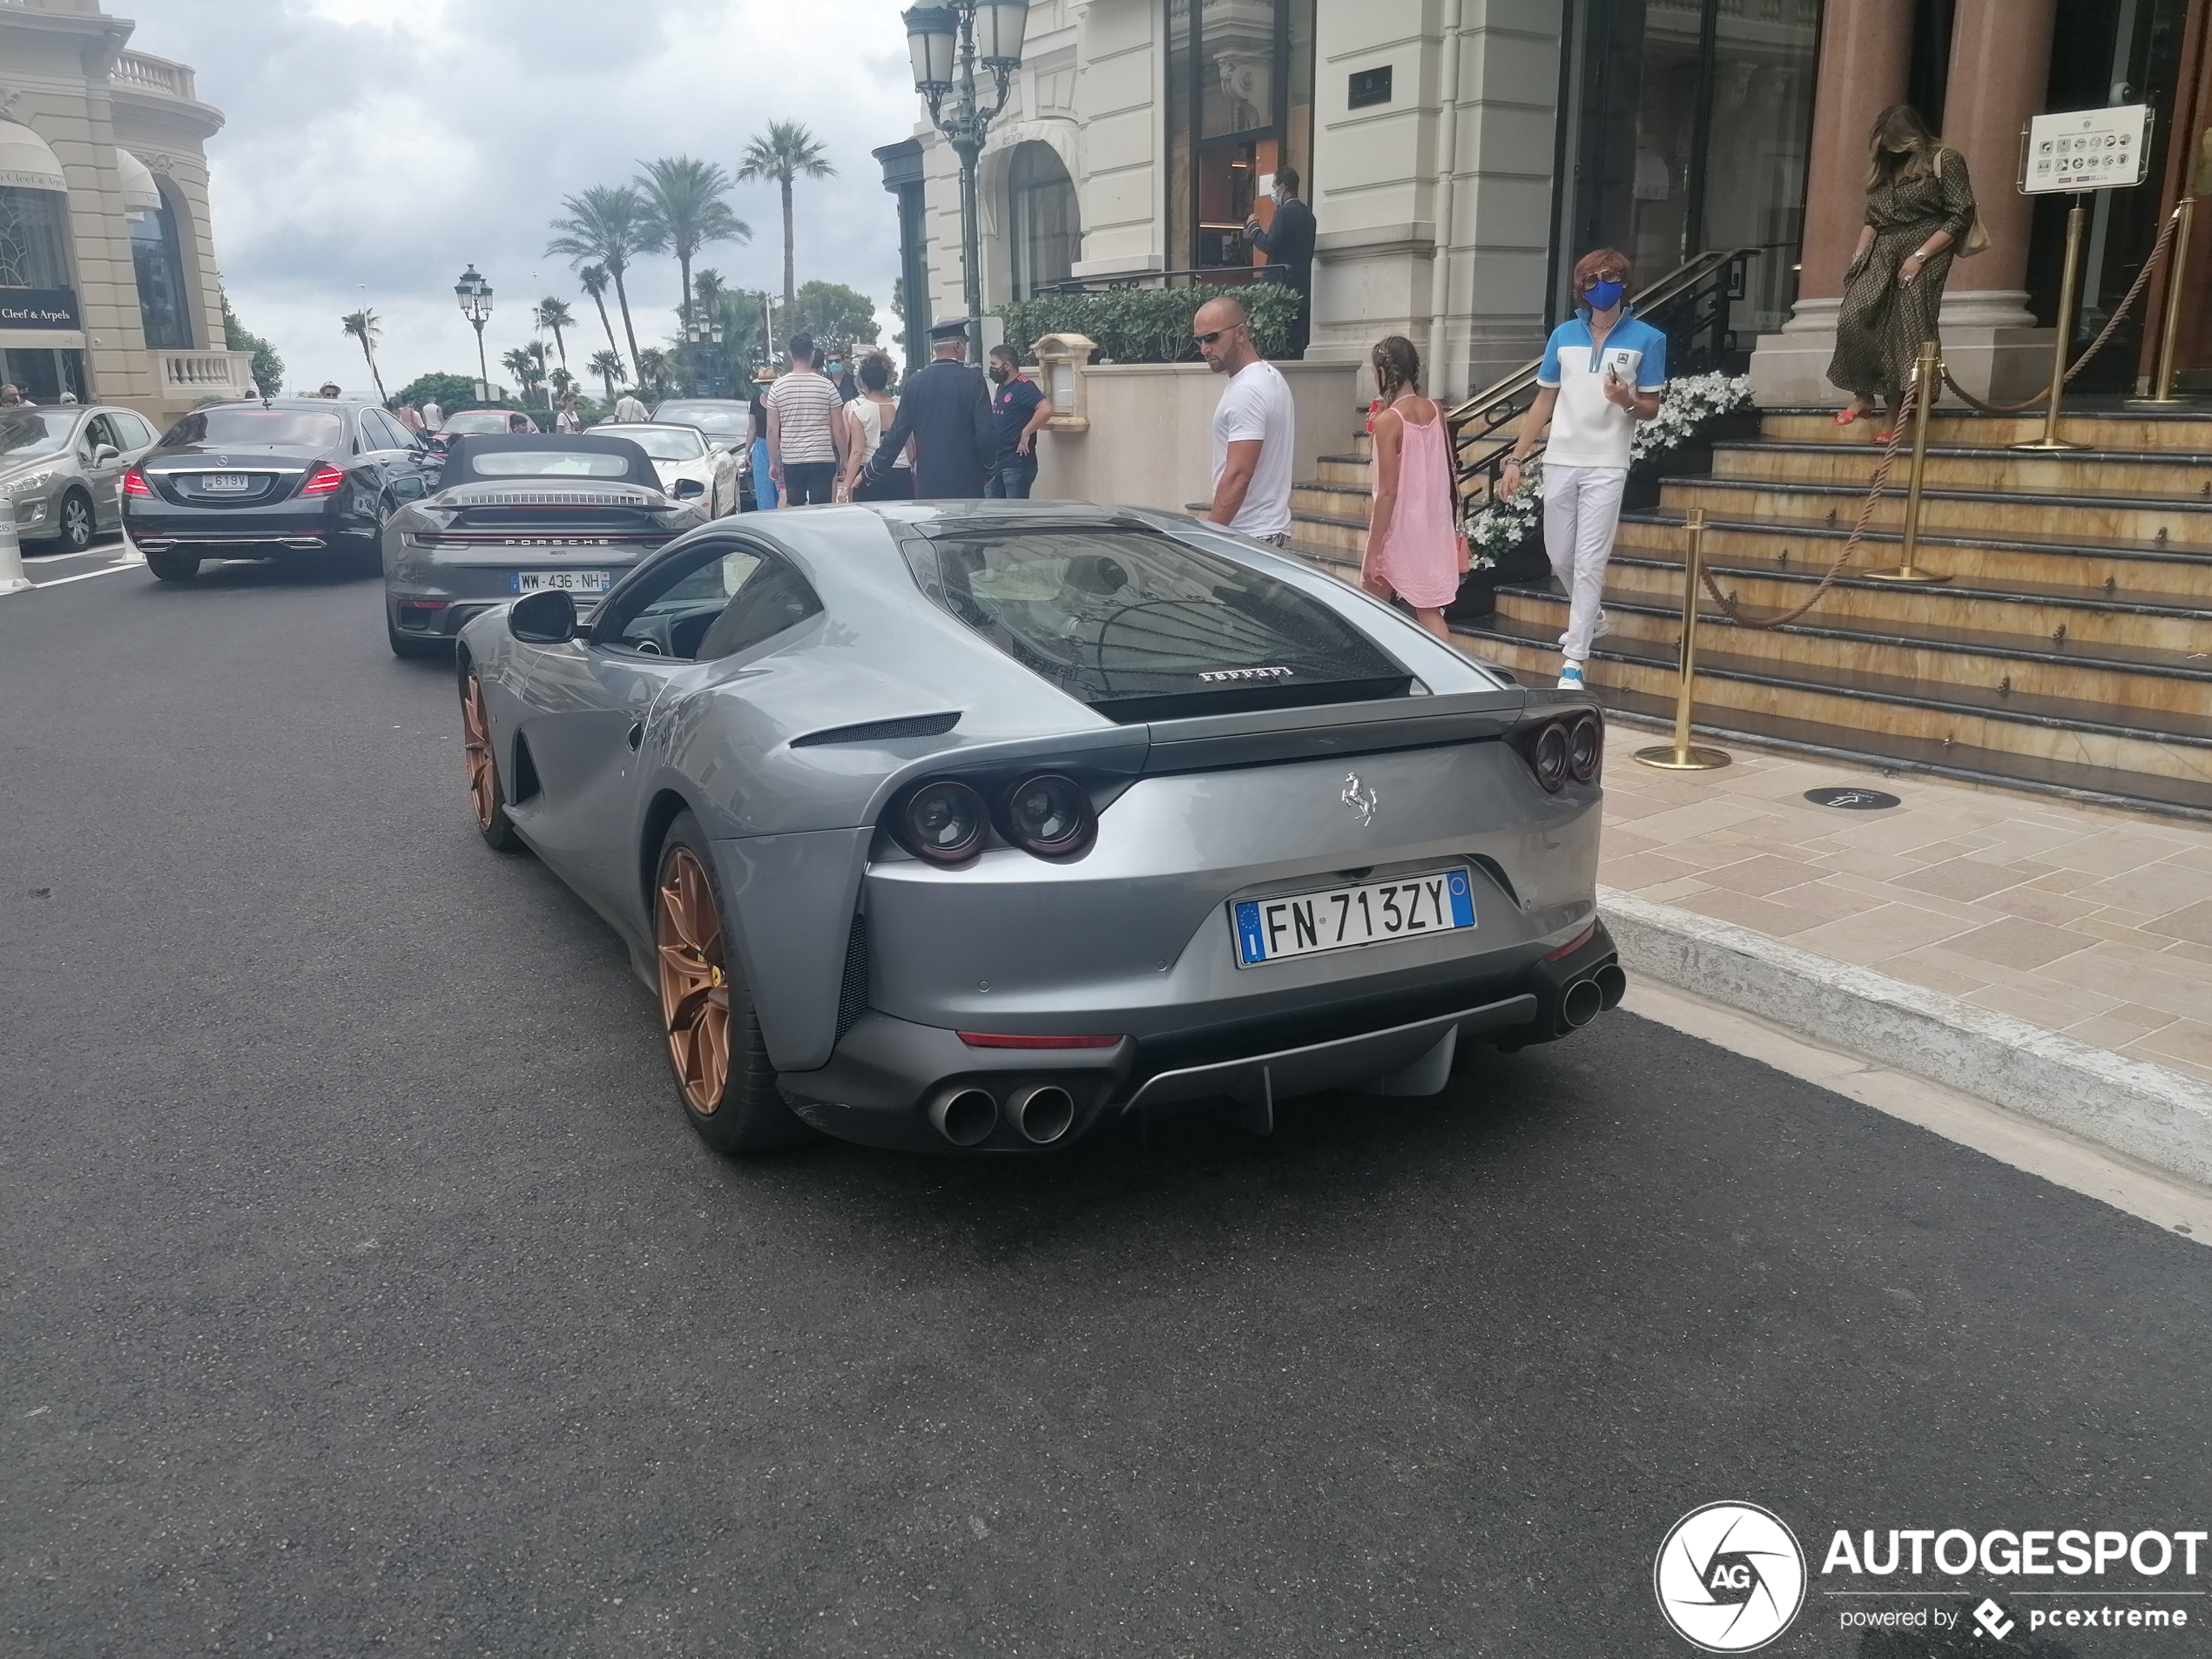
1288,244
946,408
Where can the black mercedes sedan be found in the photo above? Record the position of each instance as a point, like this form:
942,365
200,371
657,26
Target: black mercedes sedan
273,479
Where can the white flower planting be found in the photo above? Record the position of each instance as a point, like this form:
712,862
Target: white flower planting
1689,403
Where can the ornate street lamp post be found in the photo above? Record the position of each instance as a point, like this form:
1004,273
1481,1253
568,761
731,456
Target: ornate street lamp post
474,294
946,44
703,334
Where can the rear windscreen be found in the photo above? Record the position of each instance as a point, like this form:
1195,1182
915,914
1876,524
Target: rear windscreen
1144,627
308,429
548,463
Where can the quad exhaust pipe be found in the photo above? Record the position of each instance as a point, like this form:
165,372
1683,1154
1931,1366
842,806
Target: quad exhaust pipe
1043,1112
964,1116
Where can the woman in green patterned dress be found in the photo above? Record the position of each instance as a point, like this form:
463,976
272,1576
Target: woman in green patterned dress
1919,207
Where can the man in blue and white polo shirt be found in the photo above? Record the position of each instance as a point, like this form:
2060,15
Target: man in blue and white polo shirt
1603,372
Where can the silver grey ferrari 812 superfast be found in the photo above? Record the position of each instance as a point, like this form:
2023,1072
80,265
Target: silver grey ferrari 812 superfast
967,827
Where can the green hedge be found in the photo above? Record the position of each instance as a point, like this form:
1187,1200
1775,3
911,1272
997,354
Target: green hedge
1147,325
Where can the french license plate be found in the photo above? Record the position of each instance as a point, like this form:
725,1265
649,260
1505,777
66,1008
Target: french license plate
1302,924
564,581
227,480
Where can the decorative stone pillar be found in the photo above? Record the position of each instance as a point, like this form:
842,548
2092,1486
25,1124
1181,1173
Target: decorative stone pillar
1866,50
2000,65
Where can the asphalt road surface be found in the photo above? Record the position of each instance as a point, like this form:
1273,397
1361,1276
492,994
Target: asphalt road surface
362,1290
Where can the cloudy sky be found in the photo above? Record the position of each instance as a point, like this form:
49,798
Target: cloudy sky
373,149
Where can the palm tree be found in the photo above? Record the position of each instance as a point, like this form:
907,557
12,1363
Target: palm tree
607,365
684,210
782,153
364,327
554,313
594,278
606,225
707,289
654,368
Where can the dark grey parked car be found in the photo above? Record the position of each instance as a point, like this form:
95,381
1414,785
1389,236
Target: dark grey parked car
969,826
61,470
520,515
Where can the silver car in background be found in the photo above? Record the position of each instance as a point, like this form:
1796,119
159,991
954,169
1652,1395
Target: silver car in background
967,827
62,466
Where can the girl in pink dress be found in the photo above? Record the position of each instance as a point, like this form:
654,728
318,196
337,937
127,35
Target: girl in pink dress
1414,539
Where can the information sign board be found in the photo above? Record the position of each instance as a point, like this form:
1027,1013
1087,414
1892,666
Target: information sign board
2087,150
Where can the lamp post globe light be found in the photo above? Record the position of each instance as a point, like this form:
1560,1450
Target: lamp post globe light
474,294
946,44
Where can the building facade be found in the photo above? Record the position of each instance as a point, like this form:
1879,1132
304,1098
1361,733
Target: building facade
1459,154
109,287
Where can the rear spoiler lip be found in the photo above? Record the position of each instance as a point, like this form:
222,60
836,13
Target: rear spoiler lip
1215,742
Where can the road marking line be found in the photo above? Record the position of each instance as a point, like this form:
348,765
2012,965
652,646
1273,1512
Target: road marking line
2166,1201
85,576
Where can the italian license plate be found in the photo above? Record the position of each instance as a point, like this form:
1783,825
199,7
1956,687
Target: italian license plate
227,480
1302,924
593,582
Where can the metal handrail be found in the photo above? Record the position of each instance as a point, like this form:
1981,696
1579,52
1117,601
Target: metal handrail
1498,404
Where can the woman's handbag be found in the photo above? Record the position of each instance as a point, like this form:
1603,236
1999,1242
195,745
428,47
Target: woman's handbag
1976,240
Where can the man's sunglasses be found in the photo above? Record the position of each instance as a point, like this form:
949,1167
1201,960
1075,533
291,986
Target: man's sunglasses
1208,340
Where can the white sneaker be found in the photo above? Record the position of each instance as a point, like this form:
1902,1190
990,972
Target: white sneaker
1570,677
1604,627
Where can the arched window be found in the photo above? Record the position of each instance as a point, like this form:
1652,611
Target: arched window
161,278
1043,219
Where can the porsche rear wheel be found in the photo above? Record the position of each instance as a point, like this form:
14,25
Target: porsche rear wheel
714,1045
484,797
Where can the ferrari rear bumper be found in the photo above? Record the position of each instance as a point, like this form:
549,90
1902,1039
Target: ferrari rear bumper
894,1084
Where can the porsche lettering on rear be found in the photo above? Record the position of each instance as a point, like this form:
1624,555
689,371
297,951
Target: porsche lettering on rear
1217,676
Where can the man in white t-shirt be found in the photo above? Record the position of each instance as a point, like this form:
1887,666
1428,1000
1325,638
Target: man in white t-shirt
1255,428
629,409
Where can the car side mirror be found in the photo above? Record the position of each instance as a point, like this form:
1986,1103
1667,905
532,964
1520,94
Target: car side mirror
688,490
547,618
410,487
102,454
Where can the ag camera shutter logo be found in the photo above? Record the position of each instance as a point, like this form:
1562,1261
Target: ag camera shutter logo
1730,1577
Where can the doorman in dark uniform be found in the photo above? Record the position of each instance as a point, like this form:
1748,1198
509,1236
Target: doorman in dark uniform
946,408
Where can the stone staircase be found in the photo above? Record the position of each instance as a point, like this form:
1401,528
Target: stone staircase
2071,651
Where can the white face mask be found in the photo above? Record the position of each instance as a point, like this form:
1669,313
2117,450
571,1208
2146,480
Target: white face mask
1275,195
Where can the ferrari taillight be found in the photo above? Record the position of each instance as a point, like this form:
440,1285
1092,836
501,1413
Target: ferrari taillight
1570,747
322,481
134,483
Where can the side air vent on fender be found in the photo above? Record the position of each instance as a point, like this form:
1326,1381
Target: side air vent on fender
913,725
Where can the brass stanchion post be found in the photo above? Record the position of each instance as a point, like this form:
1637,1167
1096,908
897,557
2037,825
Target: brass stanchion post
2077,218
1681,755
1927,376
2161,385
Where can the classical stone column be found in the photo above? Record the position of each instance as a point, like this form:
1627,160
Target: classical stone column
2001,64
1866,47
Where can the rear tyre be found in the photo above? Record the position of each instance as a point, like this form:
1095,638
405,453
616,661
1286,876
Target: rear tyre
173,567
77,527
485,798
714,1044
409,646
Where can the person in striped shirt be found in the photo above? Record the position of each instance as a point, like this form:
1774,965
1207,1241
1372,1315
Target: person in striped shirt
805,438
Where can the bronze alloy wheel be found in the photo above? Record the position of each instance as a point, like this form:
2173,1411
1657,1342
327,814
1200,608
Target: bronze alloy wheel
475,748
484,799
694,981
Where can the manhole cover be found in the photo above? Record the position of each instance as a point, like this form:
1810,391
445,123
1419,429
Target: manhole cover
1851,800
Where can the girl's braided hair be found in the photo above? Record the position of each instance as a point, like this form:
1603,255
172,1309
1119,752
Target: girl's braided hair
1397,366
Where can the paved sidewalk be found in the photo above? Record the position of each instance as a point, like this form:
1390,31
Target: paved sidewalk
2091,923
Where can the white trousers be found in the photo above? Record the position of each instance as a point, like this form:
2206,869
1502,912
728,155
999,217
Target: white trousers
1581,510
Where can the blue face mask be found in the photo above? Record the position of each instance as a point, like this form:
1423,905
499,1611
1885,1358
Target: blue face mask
1604,296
